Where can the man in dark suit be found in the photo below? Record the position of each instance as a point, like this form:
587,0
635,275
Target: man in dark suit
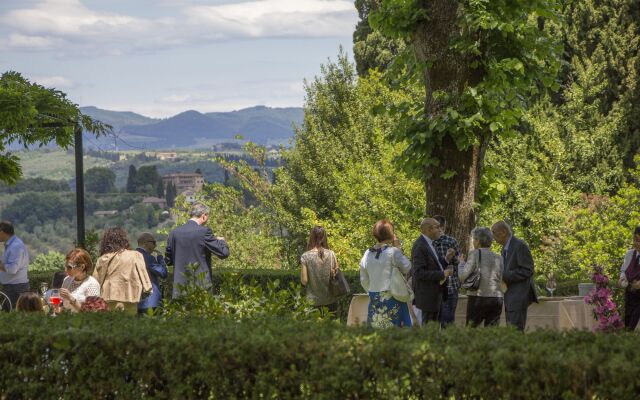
518,275
193,243
428,271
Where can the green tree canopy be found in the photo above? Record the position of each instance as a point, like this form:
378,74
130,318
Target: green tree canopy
100,180
31,114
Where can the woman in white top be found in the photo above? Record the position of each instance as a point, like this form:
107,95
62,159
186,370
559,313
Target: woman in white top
376,267
79,284
630,280
485,303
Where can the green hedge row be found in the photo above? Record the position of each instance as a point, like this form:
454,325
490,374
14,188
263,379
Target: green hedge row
260,276
107,356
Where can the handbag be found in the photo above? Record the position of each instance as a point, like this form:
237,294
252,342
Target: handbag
400,289
473,280
338,285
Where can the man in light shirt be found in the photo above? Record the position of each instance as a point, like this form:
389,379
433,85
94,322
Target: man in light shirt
14,263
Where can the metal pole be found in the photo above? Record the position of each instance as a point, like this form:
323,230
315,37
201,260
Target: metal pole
79,185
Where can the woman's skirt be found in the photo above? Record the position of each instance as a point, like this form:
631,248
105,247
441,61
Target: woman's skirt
385,311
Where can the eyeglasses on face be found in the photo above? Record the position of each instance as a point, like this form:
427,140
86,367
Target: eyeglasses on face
72,266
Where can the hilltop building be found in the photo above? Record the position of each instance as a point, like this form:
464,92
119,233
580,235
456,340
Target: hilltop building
182,182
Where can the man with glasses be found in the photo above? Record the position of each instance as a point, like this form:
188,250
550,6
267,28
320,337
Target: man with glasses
194,243
13,264
156,268
429,272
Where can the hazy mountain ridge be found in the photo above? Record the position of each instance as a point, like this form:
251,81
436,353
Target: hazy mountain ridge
260,124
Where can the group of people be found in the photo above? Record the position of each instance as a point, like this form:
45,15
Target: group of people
435,273
122,279
128,280
437,270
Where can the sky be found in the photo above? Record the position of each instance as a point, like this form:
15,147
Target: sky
161,57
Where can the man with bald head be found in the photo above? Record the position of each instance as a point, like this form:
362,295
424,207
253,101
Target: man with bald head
518,275
428,271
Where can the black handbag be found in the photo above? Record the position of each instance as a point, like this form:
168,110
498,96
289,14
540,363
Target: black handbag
338,285
473,280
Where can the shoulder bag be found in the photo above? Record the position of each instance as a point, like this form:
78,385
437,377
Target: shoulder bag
473,280
338,285
400,289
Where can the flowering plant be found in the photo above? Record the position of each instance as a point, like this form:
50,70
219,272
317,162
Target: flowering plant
605,310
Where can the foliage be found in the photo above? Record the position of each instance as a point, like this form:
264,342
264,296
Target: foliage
99,180
32,114
605,310
131,179
239,301
170,194
35,185
371,49
279,358
52,261
247,229
341,172
510,58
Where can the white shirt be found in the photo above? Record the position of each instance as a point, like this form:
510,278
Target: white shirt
625,264
433,250
82,289
375,274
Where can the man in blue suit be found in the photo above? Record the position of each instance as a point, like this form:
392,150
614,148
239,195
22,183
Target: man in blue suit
156,268
194,243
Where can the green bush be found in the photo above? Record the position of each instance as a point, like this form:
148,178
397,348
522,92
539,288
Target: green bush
52,261
117,356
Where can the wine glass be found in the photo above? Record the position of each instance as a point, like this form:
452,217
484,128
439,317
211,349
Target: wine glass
551,284
55,298
44,286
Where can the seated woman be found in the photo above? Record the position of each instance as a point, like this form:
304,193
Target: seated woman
485,303
29,302
78,284
376,267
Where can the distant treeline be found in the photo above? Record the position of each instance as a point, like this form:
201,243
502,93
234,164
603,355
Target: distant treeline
35,185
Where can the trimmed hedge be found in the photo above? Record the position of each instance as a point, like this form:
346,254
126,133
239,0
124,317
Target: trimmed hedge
105,356
260,276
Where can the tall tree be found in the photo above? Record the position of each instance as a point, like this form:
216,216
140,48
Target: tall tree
478,61
100,180
170,195
31,114
147,179
160,188
132,179
371,49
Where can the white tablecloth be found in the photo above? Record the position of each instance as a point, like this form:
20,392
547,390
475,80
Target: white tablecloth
556,313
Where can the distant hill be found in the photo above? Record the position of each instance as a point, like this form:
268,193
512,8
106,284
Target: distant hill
190,129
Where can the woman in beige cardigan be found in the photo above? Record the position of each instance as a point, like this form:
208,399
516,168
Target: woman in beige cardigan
121,272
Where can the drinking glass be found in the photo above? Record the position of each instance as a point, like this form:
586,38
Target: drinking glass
55,298
44,286
551,285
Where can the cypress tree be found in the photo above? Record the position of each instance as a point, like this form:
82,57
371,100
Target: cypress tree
160,188
131,179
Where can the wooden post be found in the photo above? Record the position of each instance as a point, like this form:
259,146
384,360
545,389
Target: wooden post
79,186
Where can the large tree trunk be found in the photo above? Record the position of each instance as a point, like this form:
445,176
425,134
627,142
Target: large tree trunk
454,198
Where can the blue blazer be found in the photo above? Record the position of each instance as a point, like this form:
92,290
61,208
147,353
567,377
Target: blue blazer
192,244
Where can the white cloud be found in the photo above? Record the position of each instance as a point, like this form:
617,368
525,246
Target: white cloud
58,82
68,26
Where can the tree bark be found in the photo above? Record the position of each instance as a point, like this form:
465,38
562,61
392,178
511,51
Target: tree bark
449,71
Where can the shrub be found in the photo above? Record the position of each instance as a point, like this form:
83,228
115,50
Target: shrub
52,261
117,356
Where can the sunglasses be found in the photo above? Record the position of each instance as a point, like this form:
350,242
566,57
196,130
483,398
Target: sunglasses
72,266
